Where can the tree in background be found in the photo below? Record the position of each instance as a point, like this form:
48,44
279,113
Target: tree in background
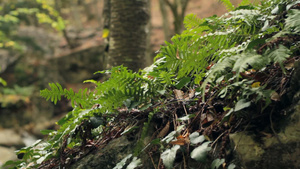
128,22
178,8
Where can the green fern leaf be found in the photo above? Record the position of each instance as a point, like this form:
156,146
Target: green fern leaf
244,3
229,6
245,60
293,20
191,21
223,66
279,55
54,94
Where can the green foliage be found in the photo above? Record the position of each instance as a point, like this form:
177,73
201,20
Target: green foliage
122,163
217,163
82,98
244,3
229,6
292,22
195,138
212,54
207,40
17,90
29,154
169,155
140,144
15,13
136,162
279,55
200,152
2,81
124,88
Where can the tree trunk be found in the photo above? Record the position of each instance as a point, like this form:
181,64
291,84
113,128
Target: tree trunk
178,8
165,18
128,33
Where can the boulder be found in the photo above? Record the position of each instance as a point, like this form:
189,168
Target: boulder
276,150
7,154
8,137
107,157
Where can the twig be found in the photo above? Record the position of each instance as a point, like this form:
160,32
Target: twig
218,138
159,162
152,160
184,162
189,121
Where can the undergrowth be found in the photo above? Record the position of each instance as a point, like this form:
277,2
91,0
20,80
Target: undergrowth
215,59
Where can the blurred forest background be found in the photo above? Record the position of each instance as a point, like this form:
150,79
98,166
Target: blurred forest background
66,41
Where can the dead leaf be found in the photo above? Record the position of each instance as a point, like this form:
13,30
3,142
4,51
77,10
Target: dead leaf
289,64
268,135
191,94
177,54
275,96
178,94
164,131
206,119
209,66
181,140
250,71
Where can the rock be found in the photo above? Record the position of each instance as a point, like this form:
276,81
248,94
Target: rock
7,154
277,152
107,157
40,39
246,148
9,137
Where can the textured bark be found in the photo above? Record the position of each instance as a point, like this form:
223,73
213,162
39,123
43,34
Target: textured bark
128,33
106,14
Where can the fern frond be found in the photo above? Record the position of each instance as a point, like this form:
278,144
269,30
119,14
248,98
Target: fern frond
123,85
247,59
192,21
229,6
279,55
223,66
56,92
244,3
249,16
293,20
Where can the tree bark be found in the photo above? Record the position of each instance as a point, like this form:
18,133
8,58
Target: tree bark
128,33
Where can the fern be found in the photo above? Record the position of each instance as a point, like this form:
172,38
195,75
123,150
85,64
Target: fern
293,22
247,59
229,6
191,21
140,144
279,55
123,85
244,3
56,91
247,37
